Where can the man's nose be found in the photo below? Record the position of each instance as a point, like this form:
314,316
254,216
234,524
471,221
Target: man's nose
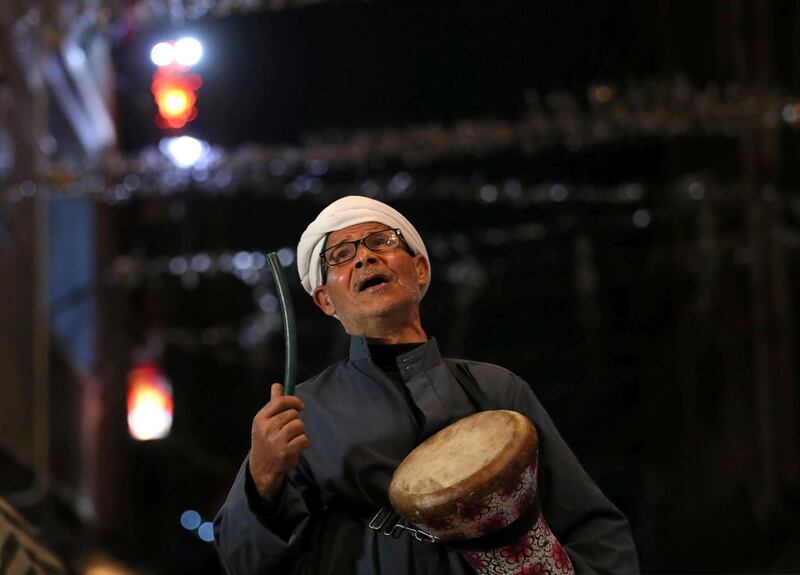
363,254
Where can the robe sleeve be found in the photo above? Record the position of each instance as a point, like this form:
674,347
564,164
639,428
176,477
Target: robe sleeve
250,540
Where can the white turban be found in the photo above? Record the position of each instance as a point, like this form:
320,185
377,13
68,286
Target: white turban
343,213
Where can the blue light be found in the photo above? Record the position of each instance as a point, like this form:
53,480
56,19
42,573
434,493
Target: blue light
286,256
190,520
206,532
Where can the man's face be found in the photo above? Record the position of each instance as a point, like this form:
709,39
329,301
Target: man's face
373,286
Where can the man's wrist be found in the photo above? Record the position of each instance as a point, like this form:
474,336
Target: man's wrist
267,485
264,495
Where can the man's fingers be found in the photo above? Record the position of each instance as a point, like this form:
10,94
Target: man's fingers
279,420
299,443
278,433
281,403
292,430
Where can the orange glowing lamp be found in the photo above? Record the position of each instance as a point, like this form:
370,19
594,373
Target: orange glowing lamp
175,96
150,405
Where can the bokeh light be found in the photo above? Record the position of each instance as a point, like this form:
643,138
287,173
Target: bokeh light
190,519
162,54
184,151
206,532
188,51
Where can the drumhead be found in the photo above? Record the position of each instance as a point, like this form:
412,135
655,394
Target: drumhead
463,462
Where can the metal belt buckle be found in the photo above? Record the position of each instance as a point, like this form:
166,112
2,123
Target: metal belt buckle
425,537
384,516
389,523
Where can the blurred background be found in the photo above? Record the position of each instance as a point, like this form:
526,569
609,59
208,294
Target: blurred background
608,190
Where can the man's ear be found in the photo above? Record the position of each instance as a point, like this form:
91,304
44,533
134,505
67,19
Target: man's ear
422,269
322,300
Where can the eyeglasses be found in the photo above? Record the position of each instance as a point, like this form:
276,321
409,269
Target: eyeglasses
345,251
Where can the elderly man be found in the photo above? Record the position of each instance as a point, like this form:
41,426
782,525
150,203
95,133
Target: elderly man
304,496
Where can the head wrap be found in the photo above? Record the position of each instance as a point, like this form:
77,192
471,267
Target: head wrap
343,213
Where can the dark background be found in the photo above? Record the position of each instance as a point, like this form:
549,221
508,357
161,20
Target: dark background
639,341
655,323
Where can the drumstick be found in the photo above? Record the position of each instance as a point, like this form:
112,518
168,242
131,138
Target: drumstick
289,331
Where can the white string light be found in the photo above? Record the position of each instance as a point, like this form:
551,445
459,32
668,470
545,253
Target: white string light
250,266
638,208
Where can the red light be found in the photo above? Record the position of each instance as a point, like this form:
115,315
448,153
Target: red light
150,405
175,97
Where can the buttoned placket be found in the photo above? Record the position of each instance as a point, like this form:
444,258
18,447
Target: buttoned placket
416,369
432,388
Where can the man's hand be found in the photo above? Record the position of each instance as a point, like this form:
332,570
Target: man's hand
277,439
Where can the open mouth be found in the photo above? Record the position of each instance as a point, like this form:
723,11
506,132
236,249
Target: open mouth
372,281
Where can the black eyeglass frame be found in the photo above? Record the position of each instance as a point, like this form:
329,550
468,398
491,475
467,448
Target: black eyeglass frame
324,264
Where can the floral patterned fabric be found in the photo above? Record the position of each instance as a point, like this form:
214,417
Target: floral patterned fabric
536,553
